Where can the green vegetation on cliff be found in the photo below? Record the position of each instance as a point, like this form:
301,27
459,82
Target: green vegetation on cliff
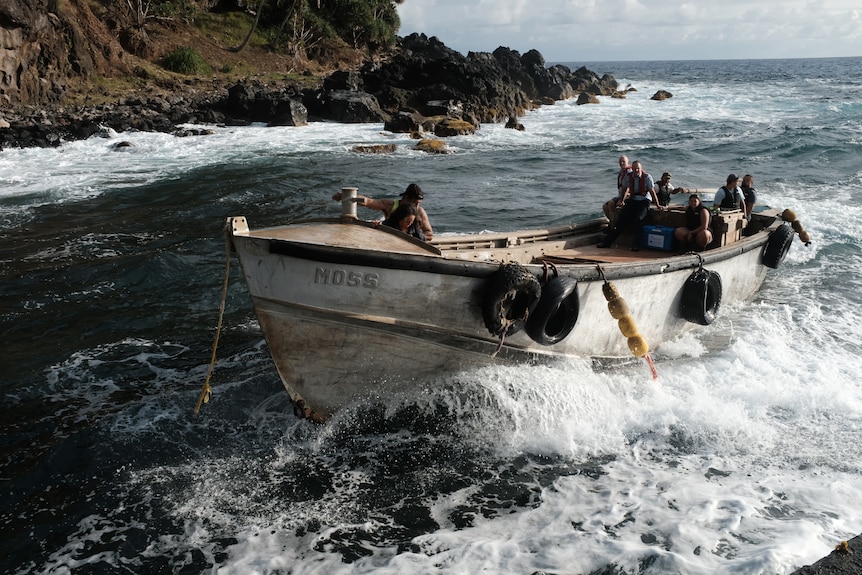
96,49
299,29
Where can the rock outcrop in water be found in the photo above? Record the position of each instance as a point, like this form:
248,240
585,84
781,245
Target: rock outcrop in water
422,86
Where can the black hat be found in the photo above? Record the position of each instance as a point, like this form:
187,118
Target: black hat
732,178
413,191
665,175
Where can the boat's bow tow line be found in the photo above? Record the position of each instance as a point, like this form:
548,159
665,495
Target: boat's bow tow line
207,391
300,409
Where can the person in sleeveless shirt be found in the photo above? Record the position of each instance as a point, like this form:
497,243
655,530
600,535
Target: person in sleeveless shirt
663,190
637,195
412,195
729,196
405,218
696,232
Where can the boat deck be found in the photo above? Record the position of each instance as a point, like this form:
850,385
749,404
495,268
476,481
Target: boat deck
567,244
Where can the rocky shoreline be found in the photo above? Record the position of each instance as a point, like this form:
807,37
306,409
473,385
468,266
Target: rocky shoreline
423,87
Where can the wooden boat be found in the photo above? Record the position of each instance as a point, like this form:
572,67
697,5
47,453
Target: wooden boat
352,310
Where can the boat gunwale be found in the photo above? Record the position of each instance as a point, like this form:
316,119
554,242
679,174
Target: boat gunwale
440,264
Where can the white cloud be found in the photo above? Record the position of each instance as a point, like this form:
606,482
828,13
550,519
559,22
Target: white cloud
593,30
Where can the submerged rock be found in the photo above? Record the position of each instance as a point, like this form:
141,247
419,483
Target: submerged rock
433,146
374,148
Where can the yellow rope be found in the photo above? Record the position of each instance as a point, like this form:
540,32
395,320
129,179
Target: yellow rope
207,391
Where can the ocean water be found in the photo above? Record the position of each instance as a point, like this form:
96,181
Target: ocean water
742,457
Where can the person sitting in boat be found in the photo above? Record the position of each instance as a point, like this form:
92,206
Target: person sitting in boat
696,232
625,169
638,194
729,196
405,218
412,195
749,194
663,190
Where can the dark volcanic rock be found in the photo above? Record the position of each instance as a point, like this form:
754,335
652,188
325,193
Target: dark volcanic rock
352,107
845,559
488,87
422,86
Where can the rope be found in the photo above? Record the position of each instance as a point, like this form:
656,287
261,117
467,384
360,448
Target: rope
545,266
601,272
502,339
207,391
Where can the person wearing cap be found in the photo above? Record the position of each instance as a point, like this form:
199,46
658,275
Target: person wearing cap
729,196
412,195
663,190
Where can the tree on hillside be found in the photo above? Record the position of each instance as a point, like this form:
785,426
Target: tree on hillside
301,28
302,25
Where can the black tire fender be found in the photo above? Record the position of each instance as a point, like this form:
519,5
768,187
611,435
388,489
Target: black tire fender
557,312
701,297
777,246
511,295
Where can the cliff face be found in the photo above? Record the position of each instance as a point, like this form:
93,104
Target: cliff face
44,43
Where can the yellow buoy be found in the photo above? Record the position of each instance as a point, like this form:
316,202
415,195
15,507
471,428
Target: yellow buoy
618,308
628,326
805,237
638,345
797,226
788,215
610,291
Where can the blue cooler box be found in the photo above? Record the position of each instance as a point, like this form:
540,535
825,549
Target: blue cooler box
657,238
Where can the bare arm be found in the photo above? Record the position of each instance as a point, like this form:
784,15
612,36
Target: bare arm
383,205
654,191
704,222
425,224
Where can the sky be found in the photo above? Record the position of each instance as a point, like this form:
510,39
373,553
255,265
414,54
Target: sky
612,30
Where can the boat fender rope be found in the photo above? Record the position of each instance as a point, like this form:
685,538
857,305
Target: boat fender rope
553,267
500,346
206,391
619,310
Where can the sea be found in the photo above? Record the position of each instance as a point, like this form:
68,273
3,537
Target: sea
744,455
